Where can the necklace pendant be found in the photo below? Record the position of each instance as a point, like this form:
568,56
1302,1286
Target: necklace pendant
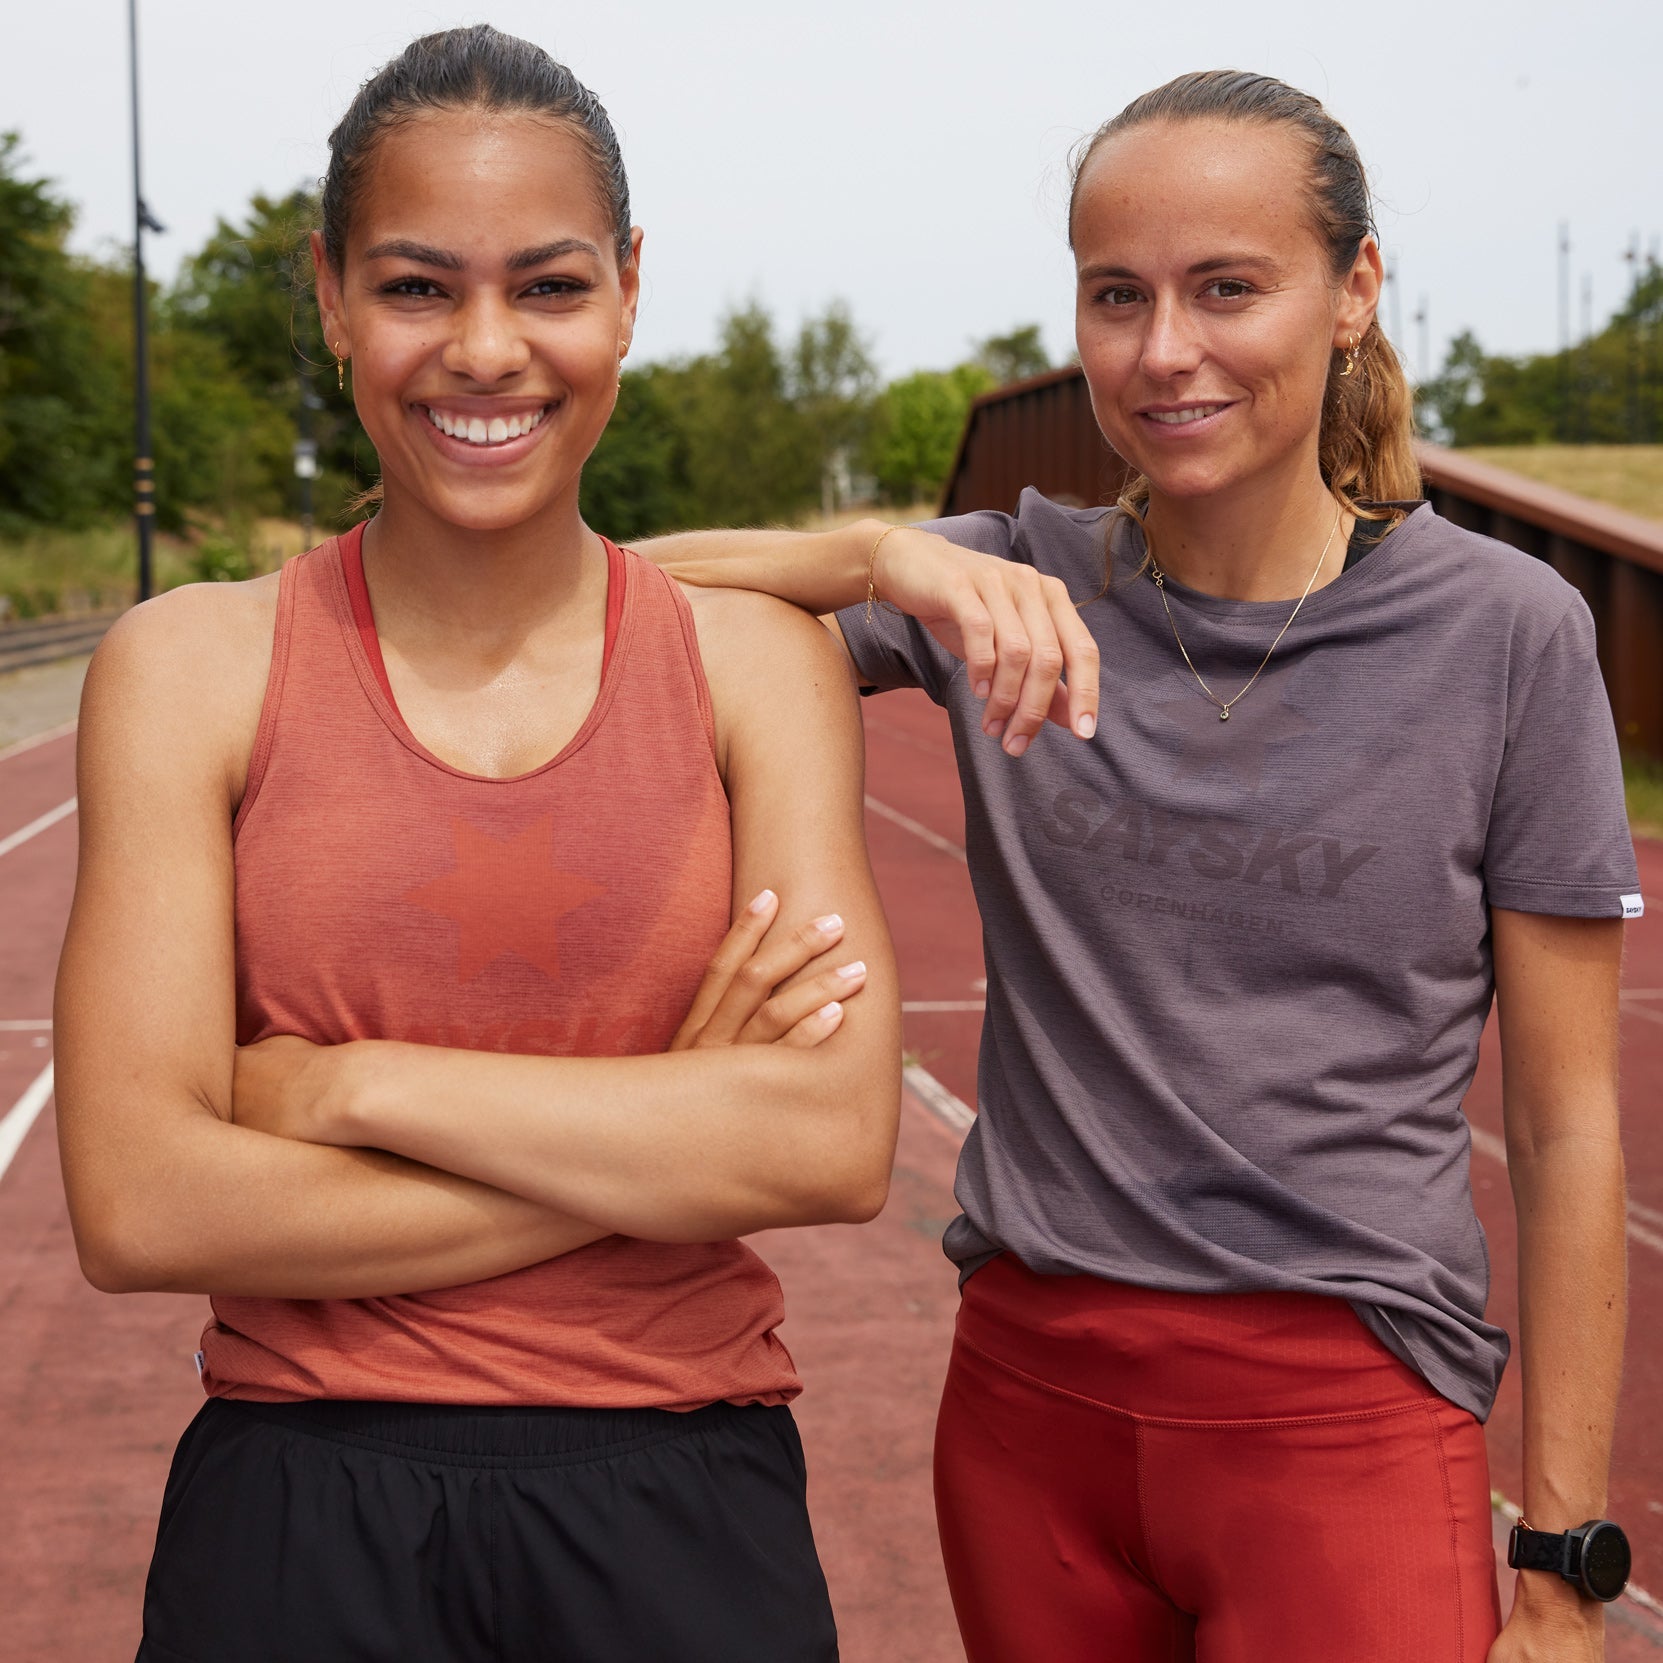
1224,714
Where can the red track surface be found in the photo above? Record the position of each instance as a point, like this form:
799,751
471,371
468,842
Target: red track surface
95,1389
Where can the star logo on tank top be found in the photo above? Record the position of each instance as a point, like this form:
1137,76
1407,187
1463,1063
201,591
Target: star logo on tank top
1242,745
505,895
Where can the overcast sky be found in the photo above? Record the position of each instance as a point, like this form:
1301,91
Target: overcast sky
908,157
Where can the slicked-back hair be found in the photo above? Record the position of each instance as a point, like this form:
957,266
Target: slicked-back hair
476,68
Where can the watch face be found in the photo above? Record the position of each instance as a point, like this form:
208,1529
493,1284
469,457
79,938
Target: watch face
1605,1561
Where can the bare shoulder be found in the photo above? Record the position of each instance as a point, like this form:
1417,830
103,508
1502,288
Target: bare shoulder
183,675
745,636
779,683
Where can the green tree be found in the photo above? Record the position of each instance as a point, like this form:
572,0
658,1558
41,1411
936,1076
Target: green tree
916,427
249,291
1605,390
833,383
59,386
751,457
1015,356
224,374
714,440
249,288
635,483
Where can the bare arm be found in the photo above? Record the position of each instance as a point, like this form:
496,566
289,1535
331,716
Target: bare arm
1556,983
1017,632
819,571
164,1192
705,1142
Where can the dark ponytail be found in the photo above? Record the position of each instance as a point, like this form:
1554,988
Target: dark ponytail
477,68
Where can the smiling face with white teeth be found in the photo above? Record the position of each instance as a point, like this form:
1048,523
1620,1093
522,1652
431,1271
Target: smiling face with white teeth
486,313
1206,313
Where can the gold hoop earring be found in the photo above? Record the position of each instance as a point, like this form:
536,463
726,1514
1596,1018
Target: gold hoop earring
340,368
1351,356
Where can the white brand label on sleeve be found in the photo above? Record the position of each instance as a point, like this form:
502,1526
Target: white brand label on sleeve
1634,906
200,1361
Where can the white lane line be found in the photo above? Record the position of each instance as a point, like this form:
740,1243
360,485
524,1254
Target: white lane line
1640,993
1645,1224
35,739
927,1006
35,827
953,1112
21,1116
1644,1012
27,1025
917,828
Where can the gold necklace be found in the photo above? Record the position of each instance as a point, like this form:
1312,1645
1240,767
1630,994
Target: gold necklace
1225,704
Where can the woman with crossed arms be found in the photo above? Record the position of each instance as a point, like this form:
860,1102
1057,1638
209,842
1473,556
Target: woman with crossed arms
462,960
1222,1357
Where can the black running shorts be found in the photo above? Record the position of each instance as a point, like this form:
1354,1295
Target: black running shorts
400,1533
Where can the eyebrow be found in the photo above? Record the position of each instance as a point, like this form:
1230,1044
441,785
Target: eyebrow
551,251
402,248
1224,262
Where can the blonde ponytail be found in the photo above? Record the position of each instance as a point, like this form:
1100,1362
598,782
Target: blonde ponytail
1366,448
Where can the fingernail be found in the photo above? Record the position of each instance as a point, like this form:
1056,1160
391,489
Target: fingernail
994,729
762,902
828,925
849,971
1086,726
830,1012
983,688
1017,746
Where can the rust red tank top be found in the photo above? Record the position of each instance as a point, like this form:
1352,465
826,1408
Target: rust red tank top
570,911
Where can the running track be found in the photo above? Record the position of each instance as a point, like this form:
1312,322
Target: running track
95,1389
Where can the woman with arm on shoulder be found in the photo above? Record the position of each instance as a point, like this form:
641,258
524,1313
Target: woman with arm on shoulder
1222,1356
454,829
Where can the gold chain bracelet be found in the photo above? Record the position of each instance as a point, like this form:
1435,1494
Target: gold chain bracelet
871,570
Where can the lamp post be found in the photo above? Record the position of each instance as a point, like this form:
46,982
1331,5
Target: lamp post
306,460
144,467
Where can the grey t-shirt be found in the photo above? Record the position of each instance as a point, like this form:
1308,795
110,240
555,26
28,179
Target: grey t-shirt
1237,971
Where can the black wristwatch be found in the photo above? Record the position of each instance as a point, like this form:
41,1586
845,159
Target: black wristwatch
1595,1556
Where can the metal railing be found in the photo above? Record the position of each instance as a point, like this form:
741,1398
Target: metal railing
46,639
1041,432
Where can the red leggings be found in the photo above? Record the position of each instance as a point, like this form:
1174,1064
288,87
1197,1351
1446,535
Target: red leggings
1126,1475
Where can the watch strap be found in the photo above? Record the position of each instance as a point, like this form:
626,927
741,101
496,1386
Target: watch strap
1540,1550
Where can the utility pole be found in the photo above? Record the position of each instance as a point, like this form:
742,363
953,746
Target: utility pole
1423,315
1633,257
1585,390
144,466
1563,425
1650,381
1395,289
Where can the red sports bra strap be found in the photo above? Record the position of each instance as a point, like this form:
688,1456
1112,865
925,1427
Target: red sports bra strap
358,593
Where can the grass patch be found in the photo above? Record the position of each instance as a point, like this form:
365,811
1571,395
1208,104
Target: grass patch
896,515
1643,787
47,571
50,571
1626,476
